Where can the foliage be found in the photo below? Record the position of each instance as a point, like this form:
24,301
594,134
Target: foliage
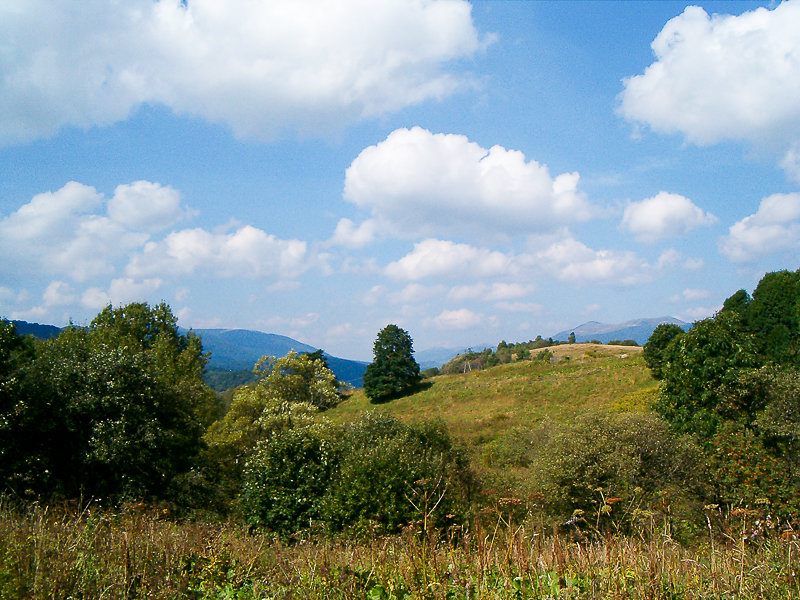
632,457
700,364
392,474
773,317
393,371
299,378
286,477
288,393
112,411
655,352
732,381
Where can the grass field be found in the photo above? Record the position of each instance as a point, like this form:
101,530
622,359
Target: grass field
134,554
507,551
481,407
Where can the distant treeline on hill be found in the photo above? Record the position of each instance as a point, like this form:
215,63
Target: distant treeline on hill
506,353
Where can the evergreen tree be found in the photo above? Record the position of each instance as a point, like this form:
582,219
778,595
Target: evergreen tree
393,371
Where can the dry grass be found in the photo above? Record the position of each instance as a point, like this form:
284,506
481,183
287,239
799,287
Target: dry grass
481,405
133,553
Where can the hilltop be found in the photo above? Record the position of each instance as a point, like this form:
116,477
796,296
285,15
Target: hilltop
487,409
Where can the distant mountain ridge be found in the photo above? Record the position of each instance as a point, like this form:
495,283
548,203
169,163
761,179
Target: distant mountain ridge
239,349
638,330
236,349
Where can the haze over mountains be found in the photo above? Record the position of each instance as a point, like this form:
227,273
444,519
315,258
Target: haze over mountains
239,349
638,330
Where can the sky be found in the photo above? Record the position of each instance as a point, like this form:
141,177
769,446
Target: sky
468,171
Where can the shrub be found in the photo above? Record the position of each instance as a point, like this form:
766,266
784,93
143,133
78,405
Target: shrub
392,474
629,456
287,477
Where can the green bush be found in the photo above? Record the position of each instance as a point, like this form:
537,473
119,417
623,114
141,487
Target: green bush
392,474
287,477
631,457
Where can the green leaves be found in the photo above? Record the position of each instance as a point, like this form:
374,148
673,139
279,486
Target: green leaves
393,371
113,411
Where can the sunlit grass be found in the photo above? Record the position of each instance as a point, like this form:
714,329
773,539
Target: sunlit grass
479,406
135,554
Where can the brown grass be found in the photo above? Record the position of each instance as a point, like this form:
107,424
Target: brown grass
134,553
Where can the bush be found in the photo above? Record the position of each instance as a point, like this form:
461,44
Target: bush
287,477
631,457
392,474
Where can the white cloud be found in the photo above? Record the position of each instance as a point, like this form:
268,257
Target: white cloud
664,215
58,293
445,259
723,77
791,162
462,318
691,295
775,227
60,232
522,307
351,235
124,290
259,67
145,206
247,252
573,261
417,183
95,298
415,292
495,291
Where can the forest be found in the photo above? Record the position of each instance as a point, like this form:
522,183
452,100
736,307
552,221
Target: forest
557,470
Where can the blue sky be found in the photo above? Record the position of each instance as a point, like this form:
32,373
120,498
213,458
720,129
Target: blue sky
471,172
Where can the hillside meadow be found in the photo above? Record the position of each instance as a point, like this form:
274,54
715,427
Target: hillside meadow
508,551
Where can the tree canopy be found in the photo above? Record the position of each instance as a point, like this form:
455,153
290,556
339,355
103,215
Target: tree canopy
113,411
393,371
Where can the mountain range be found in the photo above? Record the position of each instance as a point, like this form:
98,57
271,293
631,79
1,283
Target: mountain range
638,330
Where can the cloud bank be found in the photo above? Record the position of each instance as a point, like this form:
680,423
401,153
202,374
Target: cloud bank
258,67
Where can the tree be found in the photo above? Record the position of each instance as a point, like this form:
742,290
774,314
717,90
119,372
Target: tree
116,410
300,378
393,371
571,338
702,363
655,351
773,317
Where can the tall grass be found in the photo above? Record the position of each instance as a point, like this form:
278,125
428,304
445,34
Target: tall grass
134,553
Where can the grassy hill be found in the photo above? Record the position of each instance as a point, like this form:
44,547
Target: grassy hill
486,409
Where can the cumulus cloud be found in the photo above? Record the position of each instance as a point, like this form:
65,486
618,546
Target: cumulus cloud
573,261
58,293
723,77
418,183
462,318
445,259
259,67
351,235
664,215
247,252
774,228
145,206
65,232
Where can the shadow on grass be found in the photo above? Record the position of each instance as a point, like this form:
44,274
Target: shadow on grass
419,387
